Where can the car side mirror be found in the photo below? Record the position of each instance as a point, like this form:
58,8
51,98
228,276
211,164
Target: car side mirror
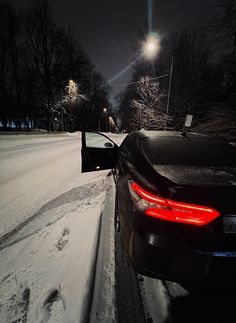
108,145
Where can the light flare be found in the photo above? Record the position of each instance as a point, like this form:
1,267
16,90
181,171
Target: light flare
151,46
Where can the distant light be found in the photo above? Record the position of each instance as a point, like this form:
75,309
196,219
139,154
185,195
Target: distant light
151,46
105,110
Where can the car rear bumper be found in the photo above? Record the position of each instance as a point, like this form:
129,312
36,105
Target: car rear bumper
182,263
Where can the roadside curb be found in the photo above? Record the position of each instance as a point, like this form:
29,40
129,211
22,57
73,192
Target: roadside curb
103,294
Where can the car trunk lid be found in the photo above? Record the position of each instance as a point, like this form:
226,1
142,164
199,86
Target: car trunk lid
214,187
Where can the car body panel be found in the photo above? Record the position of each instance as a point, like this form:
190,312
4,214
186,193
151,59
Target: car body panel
171,250
198,176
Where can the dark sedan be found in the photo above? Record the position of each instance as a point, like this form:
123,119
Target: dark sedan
176,200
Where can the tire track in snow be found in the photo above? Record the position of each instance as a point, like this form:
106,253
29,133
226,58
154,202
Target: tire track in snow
54,210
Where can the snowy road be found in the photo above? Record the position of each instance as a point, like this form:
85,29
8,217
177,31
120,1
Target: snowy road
50,217
34,171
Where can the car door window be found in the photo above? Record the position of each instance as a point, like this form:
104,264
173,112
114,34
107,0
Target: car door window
96,140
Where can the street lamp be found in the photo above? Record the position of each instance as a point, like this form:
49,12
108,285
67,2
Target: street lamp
105,113
104,110
151,46
112,124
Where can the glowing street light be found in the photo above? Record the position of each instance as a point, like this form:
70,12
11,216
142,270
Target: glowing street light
112,124
103,112
151,46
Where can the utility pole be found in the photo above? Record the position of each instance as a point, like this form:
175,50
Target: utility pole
170,80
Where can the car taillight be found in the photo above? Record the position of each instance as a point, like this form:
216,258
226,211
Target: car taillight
169,210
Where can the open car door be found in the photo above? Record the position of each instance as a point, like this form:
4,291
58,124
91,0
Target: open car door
98,152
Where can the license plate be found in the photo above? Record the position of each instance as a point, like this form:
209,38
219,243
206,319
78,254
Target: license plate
229,223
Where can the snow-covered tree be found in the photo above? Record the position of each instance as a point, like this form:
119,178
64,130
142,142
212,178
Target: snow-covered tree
73,95
66,108
150,110
71,98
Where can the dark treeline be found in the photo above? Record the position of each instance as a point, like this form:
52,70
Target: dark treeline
37,60
204,75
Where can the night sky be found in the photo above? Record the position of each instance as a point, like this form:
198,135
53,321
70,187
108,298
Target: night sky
108,29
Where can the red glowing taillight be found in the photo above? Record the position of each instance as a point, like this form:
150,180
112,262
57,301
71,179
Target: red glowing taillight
169,210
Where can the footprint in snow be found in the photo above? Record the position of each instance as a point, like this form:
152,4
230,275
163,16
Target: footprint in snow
53,307
21,306
14,308
63,240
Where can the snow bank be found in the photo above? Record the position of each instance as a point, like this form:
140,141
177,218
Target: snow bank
103,305
74,134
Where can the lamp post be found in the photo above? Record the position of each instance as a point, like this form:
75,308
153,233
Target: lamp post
169,89
151,47
104,110
112,124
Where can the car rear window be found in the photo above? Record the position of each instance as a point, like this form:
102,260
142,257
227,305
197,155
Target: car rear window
192,151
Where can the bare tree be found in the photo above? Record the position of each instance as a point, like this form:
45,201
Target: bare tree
222,25
148,105
220,122
10,63
46,53
37,59
69,103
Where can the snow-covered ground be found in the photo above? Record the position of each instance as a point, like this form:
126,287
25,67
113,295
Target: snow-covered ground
50,218
57,252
